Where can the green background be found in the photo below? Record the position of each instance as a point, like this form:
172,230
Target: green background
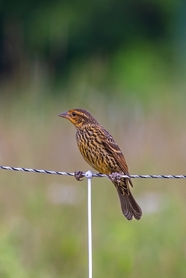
125,62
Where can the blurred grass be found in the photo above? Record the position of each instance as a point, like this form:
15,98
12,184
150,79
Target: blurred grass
43,218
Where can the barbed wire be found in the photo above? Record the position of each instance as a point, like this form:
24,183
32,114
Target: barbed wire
96,175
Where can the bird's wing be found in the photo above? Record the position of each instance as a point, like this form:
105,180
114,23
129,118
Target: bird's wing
114,149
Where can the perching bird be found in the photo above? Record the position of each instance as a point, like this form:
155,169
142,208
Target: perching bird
101,152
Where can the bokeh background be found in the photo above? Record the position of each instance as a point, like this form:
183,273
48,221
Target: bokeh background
125,62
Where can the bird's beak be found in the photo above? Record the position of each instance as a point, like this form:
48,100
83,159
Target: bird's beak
64,115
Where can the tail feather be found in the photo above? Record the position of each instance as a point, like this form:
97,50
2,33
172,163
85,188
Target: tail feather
129,206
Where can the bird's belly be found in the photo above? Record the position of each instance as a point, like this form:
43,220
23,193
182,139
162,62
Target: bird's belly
98,159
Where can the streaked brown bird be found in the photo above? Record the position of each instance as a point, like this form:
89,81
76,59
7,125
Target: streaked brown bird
102,153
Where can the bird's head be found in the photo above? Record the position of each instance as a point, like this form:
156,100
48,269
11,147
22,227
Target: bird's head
79,117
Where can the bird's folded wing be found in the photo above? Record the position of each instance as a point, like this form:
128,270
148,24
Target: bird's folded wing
114,149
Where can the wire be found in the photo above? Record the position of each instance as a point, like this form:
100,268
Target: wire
51,172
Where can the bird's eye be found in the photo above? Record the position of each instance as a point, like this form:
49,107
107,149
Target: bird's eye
73,114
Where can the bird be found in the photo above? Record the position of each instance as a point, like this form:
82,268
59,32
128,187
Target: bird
101,152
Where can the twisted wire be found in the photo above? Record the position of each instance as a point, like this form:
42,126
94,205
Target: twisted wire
98,175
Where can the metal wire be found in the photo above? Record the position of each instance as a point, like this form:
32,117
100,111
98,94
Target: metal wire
51,172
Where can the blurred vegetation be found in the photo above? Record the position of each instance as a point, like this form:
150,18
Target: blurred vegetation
125,62
127,45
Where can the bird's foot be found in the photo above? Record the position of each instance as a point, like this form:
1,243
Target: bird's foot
115,177
79,175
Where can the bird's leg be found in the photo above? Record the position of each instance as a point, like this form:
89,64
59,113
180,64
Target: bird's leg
79,175
115,177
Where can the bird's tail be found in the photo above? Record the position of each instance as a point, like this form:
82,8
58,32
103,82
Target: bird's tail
129,206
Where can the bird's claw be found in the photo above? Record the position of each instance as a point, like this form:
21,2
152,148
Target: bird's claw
115,177
79,175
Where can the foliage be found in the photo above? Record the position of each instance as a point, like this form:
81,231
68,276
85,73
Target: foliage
44,218
125,62
54,37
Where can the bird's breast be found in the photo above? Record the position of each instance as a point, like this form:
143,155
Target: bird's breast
90,144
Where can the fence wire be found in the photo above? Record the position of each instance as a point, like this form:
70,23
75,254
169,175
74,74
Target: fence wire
96,175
